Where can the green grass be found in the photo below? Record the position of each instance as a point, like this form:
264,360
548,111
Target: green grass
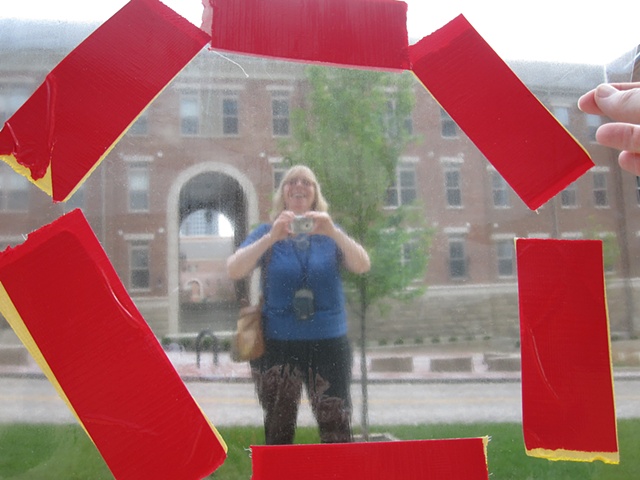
36,452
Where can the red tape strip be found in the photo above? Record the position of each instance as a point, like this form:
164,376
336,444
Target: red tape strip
522,140
88,100
359,33
567,390
457,459
105,358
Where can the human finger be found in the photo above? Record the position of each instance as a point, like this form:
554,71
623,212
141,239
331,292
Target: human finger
281,225
621,136
630,161
619,105
626,85
322,223
587,103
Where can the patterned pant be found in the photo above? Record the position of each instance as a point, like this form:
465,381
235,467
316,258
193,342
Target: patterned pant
324,368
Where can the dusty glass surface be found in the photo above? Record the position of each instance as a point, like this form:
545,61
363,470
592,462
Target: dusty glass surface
196,172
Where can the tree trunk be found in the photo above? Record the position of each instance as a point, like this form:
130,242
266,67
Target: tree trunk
364,382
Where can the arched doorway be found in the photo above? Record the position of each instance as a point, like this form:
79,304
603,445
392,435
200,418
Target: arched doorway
210,206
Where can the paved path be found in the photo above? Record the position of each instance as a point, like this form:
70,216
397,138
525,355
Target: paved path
34,400
225,393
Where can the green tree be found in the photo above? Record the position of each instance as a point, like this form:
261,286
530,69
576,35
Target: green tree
351,131
610,243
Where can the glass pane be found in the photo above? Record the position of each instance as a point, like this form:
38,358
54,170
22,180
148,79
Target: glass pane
139,258
441,346
140,279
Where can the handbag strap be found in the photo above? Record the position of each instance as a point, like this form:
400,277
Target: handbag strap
263,273
263,281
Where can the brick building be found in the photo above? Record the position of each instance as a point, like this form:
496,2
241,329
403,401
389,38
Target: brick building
198,167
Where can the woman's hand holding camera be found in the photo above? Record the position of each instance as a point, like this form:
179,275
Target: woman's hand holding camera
322,224
312,223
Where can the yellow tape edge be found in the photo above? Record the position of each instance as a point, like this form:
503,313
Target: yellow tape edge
214,429
575,456
613,389
564,127
43,183
11,314
8,309
485,444
117,140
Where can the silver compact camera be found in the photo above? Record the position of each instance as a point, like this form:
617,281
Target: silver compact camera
301,224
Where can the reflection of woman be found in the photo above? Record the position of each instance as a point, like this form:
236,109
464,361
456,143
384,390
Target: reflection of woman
305,322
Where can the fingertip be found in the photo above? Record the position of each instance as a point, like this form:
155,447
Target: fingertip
587,103
630,162
605,90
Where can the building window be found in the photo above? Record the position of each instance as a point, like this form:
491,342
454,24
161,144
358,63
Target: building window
457,258
280,113
453,185
138,178
390,125
638,190
403,189
279,169
600,198
209,113
230,120
189,114
408,251
449,127
408,125
500,190
139,266
569,196
505,256
203,222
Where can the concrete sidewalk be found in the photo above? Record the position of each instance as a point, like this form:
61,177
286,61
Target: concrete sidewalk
460,363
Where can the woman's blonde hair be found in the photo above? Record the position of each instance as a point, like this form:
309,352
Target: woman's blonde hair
319,203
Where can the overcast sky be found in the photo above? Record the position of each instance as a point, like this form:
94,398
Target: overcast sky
557,30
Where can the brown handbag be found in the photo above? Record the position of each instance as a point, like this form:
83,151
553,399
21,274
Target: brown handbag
248,341
249,338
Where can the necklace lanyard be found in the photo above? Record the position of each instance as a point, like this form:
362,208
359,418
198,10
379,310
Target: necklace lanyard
304,265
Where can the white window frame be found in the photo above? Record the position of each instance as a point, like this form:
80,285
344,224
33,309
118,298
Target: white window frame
500,191
399,188
500,242
138,187
278,169
448,127
452,165
569,196
602,190
233,117
192,111
280,122
144,247
463,260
